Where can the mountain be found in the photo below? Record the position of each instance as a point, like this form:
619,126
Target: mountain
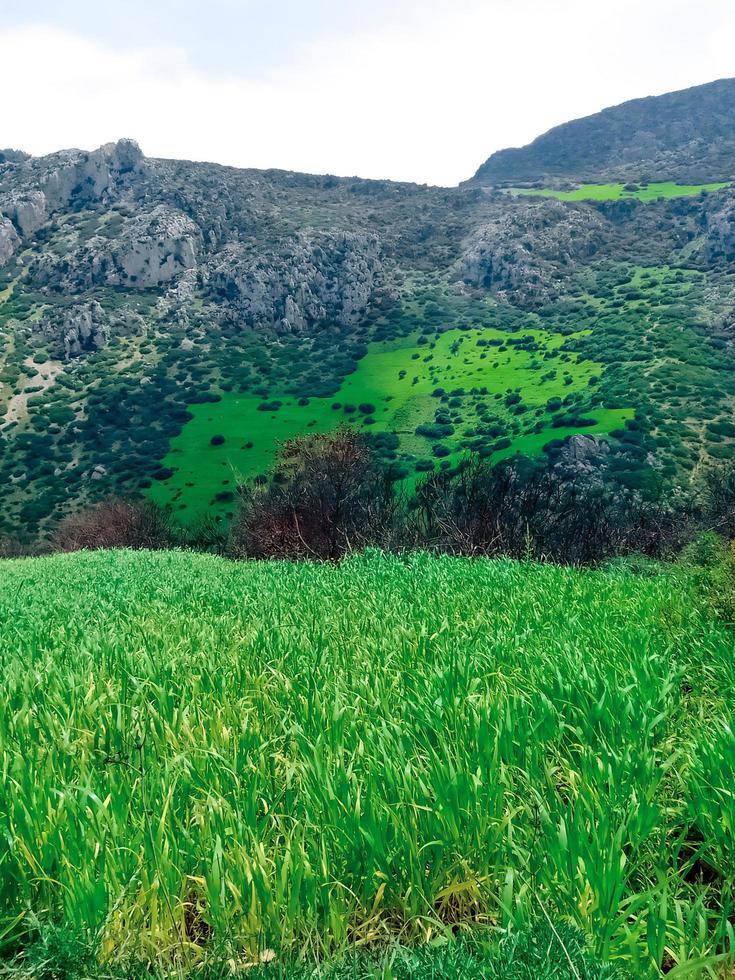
165,325
687,135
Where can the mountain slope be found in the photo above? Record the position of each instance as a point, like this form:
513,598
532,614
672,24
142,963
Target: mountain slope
690,133
164,325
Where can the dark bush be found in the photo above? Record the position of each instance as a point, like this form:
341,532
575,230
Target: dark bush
328,496
115,523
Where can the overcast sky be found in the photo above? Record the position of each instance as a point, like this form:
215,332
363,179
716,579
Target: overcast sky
417,90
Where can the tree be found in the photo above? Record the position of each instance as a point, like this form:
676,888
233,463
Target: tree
327,497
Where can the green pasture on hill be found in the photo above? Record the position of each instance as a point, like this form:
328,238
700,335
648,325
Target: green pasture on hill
391,391
615,192
204,758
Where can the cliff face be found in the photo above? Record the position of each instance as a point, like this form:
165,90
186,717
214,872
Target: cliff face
311,280
524,252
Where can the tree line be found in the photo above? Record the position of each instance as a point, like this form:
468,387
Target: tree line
330,495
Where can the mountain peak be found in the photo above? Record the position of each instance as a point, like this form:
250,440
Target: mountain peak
689,134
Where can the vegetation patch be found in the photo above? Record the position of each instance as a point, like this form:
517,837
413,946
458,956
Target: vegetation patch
470,388
615,192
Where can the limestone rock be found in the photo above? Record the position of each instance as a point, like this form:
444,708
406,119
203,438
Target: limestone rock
9,240
524,251
76,175
28,211
311,280
77,329
719,239
153,248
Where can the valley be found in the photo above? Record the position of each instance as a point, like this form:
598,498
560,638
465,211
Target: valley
367,562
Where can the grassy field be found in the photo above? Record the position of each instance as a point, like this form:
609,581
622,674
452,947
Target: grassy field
296,760
391,391
614,192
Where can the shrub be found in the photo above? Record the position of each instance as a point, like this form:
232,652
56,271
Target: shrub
328,496
115,523
217,440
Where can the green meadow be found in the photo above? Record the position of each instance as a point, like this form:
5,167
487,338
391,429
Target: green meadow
615,192
206,760
476,379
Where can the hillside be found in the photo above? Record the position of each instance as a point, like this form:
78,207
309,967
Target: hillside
688,136
209,759
164,324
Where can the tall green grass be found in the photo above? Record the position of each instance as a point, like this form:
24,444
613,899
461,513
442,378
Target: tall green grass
202,755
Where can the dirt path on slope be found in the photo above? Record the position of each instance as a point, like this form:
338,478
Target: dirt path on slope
48,372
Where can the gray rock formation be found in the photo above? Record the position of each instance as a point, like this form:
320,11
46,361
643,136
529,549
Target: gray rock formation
37,187
719,238
152,249
76,175
527,249
28,211
310,281
76,329
9,240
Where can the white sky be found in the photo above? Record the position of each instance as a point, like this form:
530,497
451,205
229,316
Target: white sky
417,90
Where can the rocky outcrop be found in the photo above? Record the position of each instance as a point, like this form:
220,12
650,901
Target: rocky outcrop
79,176
76,330
309,281
525,250
9,240
33,189
28,211
152,249
719,238
87,327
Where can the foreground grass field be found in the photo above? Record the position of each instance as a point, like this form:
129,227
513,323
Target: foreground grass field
280,760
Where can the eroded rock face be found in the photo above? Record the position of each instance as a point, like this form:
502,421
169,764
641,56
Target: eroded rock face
87,327
525,250
76,175
719,239
9,240
76,330
153,248
37,188
310,281
28,211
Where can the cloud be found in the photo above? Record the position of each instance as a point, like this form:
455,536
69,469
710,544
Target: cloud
425,101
